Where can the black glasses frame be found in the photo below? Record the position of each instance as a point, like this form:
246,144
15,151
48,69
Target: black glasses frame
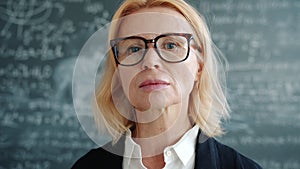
114,48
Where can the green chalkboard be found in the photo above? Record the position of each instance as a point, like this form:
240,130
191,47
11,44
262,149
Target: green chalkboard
40,41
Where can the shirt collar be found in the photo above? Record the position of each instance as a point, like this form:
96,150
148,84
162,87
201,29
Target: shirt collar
184,148
132,149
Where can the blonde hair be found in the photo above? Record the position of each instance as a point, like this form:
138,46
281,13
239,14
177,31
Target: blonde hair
207,105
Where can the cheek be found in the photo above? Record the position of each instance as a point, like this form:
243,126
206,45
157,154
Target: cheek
185,80
127,77
122,88
128,80
186,74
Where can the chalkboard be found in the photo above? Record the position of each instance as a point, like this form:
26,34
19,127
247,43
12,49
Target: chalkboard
40,41
261,42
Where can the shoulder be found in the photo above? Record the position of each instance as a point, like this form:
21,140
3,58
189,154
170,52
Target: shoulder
218,155
98,158
229,155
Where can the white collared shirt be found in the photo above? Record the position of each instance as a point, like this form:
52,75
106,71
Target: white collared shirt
181,155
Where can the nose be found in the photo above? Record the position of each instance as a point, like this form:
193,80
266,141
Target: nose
151,60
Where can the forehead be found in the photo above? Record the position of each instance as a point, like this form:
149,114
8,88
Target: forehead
156,20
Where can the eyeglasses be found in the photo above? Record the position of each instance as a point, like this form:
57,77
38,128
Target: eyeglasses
171,47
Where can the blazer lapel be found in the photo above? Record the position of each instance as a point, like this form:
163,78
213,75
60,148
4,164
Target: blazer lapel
206,153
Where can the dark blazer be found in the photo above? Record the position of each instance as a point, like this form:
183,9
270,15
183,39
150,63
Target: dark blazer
210,154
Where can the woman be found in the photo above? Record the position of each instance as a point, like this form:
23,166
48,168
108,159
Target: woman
160,96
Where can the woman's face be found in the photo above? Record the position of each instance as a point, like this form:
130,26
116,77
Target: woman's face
154,83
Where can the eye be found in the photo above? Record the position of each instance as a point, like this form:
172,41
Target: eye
133,49
170,45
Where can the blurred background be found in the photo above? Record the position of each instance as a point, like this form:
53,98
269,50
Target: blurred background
40,41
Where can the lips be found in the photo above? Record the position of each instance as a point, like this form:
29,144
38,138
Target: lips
150,85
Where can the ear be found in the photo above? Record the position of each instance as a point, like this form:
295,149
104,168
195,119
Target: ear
200,67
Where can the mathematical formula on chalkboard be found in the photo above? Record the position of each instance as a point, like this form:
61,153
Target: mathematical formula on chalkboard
41,40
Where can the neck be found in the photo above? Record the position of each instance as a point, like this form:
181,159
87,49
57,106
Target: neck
164,131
